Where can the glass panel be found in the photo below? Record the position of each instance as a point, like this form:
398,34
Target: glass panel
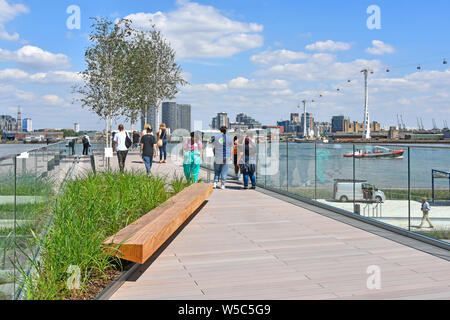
334,175
7,224
430,179
301,169
276,162
382,183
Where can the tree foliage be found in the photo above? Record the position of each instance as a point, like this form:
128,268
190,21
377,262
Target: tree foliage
104,87
127,70
153,73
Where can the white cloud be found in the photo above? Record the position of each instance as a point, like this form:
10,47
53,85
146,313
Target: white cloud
321,66
380,48
240,84
35,58
7,13
329,45
277,57
199,31
53,77
53,100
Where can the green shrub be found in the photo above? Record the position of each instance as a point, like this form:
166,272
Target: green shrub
27,184
91,209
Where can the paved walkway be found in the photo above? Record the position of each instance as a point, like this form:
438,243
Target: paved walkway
248,245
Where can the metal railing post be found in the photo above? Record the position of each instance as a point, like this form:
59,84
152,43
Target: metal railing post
409,188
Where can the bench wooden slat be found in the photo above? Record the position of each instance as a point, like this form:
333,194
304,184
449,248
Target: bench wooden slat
140,240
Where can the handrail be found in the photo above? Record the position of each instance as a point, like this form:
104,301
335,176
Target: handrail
14,155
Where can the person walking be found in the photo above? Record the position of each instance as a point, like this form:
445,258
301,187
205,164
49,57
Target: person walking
148,149
120,145
86,144
162,143
426,208
235,155
144,132
72,146
136,139
223,149
193,154
247,161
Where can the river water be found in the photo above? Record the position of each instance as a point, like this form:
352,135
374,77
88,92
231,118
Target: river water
300,163
14,149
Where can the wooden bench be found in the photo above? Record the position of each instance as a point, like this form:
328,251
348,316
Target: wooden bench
140,240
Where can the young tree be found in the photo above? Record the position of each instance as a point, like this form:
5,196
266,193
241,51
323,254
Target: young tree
104,90
153,73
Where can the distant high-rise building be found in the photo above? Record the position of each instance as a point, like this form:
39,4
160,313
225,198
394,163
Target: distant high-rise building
375,126
7,123
27,125
184,116
220,121
244,121
176,116
337,123
309,122
19,120
76,127
295,117
150,118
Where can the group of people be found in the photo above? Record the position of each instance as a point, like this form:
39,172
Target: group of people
147,143
241,152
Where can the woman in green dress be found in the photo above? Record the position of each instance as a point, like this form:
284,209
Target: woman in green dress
193,154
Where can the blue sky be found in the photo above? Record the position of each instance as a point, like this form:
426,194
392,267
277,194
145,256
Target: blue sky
260,57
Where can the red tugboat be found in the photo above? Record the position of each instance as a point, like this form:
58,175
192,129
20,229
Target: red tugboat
376,152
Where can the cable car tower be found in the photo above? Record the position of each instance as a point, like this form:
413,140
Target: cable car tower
367,133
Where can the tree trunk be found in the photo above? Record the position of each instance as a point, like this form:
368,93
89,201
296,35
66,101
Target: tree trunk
111,122
106,132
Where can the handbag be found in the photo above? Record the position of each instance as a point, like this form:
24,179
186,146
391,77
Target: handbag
160,142
128,142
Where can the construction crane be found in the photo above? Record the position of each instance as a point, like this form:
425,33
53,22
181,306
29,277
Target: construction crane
421,122
418,124
404,126
434,125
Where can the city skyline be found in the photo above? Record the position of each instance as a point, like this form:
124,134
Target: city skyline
261,61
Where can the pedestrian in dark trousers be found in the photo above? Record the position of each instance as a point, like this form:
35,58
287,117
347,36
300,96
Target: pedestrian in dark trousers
72,146
120,146
148,149
86,144
162,143
223,149
247,161
136,139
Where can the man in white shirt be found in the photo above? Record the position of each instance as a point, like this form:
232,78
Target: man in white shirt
86,144
119,145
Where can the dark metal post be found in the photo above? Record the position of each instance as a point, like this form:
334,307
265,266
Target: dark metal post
409,188
287,164
432,185
315,170
354,179
15,220
265,160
